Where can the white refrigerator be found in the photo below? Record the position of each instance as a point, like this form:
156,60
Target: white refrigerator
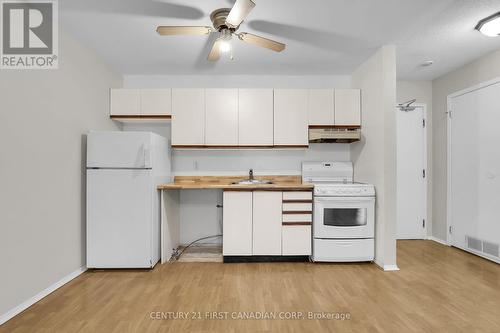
123,204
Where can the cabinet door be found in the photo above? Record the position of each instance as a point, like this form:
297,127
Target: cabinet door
156,102
296,240
255,120
348,107
221,124
188,117
321,108
237,224
290,117
125,102
267,223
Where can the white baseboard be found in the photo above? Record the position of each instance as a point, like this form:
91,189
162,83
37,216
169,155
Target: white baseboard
438,240
29,302
387,268
390,268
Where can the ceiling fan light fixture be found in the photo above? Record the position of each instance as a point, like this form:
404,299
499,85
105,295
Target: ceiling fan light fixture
225,46
225,21
490,26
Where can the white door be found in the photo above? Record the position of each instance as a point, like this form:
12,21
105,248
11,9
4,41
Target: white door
290,117
113,149
188,117
255,117
119,218
475,171
237,224
411,181
347,107
221,117
156,102
267,220
321,108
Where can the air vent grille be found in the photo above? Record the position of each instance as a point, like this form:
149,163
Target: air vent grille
491,249
474,243
485,247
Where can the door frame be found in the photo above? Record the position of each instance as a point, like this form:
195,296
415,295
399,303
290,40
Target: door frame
425,212
449,115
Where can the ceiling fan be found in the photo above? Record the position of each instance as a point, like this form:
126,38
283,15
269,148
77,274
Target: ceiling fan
226,22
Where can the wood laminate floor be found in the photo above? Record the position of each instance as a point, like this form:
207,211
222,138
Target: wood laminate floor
438,289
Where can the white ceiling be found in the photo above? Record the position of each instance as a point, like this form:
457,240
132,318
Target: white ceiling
323,37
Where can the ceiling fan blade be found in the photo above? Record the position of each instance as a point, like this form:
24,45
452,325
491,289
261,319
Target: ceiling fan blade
239,12
173,30
214,54
261,41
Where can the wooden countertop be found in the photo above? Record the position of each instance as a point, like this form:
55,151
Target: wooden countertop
280,183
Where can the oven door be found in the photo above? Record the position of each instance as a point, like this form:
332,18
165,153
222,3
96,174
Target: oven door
344,217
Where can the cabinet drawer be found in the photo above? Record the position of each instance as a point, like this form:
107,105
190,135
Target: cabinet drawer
297,207
297,218
344,250
296,240
306,195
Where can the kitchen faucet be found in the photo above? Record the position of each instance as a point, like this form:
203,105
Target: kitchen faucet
250,174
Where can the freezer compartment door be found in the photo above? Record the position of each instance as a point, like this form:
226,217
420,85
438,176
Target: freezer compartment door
119,218
119,150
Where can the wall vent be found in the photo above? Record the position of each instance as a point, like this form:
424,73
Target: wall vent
491,249
474,243
485,247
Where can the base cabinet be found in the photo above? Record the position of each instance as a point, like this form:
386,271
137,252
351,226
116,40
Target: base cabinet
254,225
296,240
267,223
237,224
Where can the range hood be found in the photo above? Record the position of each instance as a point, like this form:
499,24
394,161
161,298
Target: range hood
334,134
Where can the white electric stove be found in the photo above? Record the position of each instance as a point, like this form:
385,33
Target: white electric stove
344,213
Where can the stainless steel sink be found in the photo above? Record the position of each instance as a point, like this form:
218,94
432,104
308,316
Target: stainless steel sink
252,182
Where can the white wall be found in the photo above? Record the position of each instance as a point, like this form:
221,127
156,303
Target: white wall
44,115
375,156
266,161
480,70
419,90
422,91
236,81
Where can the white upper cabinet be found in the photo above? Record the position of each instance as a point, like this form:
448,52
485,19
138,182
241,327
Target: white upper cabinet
321,107
290,117
255,123
221,124
188,117
125,102
141,102
156,102
348,107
